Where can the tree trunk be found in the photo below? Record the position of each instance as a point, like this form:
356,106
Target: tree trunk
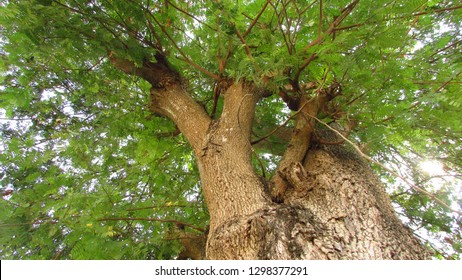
339,210
336,209
324,202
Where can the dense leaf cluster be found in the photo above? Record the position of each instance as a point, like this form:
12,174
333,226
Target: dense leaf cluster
88,172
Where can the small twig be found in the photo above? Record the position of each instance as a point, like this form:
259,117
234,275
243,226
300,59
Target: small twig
447,47
325,142
355,99
247,51
154,207
153,220
349,27
256,19
282,125
399,17
344,13
312,57
446,83
263,173
400,194
96,64
244,43
16,225
190,15
320,19
438,10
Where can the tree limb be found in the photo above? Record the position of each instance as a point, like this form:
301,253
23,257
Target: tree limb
169,97
256,19
152,220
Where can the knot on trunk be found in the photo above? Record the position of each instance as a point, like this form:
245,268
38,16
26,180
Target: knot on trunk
296,176
291,181
273,232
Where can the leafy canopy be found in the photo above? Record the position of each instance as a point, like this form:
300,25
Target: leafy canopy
87,172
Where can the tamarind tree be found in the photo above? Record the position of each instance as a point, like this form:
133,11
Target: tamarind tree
230,129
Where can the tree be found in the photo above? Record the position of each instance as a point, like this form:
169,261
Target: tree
271,129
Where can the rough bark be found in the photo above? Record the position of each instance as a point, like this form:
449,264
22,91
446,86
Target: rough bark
346,195
193,246
298,144
231,186
308,106
342,212
334,207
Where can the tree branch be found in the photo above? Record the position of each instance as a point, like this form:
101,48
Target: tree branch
299,142
239,106
168,96
446,83
256,19
244,43
189,14
320,18
344,13
158,74
280,126
307,62
152,220
438,10
247,51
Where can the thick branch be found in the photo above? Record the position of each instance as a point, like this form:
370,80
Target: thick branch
158,74
256,19
169,98
190,117
230,185
299,143
239,107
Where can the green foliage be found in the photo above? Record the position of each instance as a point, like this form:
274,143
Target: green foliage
87,172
